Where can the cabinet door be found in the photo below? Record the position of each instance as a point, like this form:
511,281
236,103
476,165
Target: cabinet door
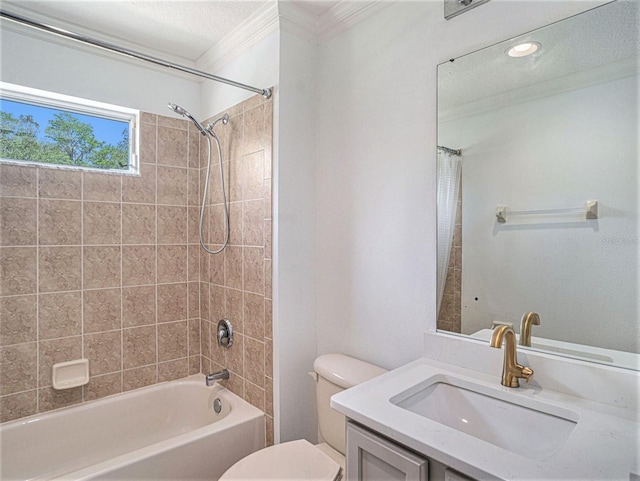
374,458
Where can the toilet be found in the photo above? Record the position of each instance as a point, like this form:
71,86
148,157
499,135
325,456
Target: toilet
301,460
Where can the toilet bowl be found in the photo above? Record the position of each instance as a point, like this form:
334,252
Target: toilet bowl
301,460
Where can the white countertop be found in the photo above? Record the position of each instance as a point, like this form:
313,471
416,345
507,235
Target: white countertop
605,444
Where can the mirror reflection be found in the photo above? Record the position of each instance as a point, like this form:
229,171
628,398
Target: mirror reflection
538,188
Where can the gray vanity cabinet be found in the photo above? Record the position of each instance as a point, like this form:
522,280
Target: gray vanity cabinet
372,458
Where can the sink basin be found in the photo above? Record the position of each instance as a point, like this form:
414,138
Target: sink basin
519,424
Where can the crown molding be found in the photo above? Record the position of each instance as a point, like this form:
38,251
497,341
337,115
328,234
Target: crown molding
257,27
289,17
339,17
346,14
299,21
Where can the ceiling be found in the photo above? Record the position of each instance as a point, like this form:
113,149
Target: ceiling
597,45
180,28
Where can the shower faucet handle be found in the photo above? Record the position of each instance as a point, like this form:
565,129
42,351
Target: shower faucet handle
225,333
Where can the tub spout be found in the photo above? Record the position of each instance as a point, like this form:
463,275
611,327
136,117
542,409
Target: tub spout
217,376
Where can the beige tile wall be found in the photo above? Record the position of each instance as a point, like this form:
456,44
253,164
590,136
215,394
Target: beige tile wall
100,266
109,267
237,284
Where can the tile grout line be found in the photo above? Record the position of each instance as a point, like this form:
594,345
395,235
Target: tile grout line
37,290
187,247
82,340
121,389
187,244
157,130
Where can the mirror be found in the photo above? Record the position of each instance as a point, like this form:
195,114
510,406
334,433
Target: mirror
539,213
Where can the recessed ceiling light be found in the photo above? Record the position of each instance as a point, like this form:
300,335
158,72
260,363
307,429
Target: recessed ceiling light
523,49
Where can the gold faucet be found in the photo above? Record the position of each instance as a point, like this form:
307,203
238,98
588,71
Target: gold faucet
528,319
511,370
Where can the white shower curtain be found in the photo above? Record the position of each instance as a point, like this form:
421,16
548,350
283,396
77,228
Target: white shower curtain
449,169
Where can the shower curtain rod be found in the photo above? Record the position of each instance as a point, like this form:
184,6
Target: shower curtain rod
457,152
266,93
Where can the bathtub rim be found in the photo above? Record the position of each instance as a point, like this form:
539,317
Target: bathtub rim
198,378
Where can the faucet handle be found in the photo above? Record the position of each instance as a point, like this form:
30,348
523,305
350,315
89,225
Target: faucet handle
527,373
225,333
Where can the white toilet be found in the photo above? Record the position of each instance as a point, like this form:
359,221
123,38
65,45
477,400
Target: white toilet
301,460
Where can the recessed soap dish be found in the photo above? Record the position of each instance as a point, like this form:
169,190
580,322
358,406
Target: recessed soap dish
70,374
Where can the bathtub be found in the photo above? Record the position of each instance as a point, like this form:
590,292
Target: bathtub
167,431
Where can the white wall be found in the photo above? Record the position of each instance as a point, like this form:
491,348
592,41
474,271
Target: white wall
374,234
64,67
258,66
295,342
376,263
552,153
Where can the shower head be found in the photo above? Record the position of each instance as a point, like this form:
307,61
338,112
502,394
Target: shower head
224,119
176,108
180,111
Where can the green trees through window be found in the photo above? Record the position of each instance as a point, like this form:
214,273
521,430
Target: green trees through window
66,138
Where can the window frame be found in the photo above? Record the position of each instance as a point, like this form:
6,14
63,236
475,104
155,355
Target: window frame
67,103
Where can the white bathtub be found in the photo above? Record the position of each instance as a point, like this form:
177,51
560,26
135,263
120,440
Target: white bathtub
167,431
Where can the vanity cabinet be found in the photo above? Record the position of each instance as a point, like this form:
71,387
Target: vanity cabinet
371,457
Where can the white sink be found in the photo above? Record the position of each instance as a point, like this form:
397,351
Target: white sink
575,421
520,425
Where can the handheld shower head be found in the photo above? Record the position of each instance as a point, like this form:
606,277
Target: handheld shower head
176,108
224,119
180,111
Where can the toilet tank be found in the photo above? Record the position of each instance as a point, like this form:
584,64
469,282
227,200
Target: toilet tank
337,372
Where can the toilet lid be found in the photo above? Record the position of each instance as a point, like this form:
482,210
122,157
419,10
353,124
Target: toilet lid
295,460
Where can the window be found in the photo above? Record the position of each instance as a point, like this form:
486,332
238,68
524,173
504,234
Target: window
48,128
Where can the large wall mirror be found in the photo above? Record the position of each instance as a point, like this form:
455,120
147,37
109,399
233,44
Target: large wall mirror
538,187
